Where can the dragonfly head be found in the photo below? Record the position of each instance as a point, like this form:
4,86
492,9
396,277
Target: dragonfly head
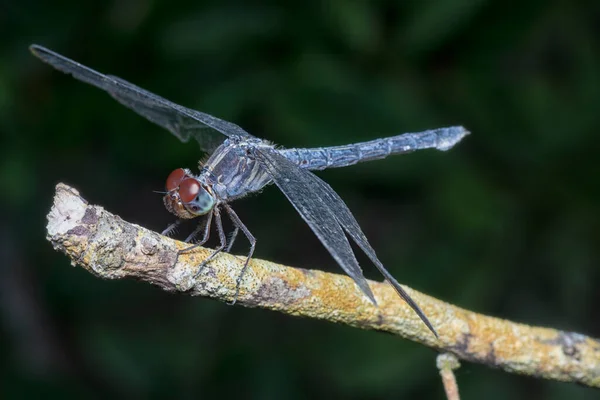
187,197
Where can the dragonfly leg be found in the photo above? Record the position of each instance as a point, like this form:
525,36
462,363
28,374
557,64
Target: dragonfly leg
240,225
222,239
171,228
232,239
206,226
205,237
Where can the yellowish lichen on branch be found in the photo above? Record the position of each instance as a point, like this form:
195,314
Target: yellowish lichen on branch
112,248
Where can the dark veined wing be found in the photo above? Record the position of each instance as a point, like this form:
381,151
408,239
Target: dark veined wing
298,186
348,222
328,216
183,122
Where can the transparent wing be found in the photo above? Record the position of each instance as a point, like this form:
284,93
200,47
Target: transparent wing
183,122
350,225
328,216
298,186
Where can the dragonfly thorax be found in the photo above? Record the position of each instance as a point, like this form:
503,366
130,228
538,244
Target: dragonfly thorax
187,197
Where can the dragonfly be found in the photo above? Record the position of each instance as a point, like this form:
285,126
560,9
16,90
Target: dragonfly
240,164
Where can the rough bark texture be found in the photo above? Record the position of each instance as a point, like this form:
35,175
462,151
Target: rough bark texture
111,248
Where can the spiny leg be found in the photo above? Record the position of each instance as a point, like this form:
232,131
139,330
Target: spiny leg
171,228
205,226
232,239
239,224
205,237
194,233
222,238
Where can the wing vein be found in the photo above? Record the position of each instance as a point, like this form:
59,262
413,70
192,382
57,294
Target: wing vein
329,217
183,122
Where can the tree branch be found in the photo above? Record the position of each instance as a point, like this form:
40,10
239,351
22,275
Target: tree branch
111,248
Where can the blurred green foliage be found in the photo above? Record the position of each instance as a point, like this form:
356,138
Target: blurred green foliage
506,224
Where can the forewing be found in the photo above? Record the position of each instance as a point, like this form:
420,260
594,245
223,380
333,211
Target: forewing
321,207
183,122
299,187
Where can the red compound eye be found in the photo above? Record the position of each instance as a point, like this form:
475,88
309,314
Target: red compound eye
175,178
188,189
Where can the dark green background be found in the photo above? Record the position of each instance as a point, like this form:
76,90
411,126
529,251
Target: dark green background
507,223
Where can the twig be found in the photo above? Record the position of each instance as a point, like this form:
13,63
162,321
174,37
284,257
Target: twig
447,363
109,247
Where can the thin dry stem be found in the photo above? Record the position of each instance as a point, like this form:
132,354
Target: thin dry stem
447,363
111,248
